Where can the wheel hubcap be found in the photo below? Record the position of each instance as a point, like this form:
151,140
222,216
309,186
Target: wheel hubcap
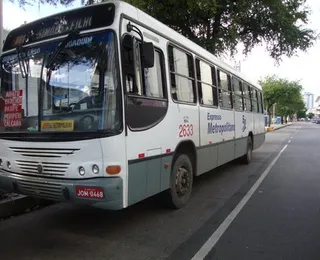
182,181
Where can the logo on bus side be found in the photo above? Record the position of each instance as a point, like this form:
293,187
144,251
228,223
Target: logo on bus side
214,128
244,123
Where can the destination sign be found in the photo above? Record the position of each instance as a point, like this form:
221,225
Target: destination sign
90,17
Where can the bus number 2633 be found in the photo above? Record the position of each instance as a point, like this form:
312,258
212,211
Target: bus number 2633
185,130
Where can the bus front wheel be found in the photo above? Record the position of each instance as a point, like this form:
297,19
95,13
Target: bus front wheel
180,183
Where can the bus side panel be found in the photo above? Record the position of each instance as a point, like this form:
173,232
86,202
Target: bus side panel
259,136
243,123
217,131
207,153
147,178
225,136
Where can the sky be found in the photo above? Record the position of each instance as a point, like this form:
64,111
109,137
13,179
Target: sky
256,65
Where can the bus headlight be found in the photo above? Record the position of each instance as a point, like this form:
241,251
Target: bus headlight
82,171
95,169
9,165
1,163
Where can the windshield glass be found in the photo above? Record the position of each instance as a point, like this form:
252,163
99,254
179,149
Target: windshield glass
78,93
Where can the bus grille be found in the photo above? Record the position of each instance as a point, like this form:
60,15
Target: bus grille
48,168
50,191
43,152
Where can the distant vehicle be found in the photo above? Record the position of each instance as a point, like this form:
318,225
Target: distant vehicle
160,109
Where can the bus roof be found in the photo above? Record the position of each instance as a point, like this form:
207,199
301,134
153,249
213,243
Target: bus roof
46,27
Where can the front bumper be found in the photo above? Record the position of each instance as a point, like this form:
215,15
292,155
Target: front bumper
64,189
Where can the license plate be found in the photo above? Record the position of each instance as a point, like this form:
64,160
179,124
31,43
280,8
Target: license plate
89,192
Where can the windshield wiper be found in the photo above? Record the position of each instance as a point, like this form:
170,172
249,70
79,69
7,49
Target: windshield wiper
61,46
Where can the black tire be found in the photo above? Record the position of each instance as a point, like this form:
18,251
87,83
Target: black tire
181,183
247,158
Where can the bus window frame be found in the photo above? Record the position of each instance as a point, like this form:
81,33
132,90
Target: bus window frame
214,80
229,88
128,95
195,88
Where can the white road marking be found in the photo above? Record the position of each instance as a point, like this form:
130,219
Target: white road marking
289,141
212,241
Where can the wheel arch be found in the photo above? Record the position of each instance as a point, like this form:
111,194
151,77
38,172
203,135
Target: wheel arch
186,147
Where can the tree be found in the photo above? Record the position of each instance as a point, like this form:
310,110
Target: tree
220,25
289,110
285,94
271,88
311,115
302,113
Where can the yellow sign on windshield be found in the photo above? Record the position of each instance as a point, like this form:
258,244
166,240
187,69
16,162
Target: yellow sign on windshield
57,125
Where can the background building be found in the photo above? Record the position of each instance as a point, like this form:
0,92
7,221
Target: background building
309,100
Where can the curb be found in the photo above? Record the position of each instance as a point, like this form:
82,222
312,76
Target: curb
20,204
281,127
271,129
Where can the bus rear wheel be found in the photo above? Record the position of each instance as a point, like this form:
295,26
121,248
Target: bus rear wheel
180,183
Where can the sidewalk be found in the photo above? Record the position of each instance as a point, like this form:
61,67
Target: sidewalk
275,127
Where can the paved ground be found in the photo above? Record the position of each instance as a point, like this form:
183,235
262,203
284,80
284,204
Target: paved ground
283,209
281,220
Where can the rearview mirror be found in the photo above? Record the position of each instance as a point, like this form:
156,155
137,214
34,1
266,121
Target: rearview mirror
147,55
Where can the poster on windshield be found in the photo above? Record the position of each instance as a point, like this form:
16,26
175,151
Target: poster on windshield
12,108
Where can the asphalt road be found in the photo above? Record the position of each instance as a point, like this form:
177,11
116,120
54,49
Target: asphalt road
282,218
278,222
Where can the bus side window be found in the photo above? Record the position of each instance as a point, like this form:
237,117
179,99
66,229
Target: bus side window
247,97
128,66
237,94
154,78
261,102
146,90
225,94
148,82
182,75
206,84
255,108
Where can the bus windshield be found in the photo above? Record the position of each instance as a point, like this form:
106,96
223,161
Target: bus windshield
79,92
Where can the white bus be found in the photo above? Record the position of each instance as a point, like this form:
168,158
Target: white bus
142,110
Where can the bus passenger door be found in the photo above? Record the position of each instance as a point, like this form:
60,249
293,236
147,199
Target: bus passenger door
145,111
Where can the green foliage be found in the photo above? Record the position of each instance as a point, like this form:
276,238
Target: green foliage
286,95
311,115
220,25
302,113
